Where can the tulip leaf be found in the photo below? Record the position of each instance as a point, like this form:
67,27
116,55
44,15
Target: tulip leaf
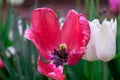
8,66
117,56
5,29
70,73
114,66
118,35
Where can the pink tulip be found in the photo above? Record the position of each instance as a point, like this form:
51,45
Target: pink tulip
58,46
1,63
115,5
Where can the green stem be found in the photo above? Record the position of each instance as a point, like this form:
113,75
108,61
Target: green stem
98,8
86,70
91,71
105,71
92,10
87,6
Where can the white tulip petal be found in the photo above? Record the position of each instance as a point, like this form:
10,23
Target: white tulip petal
90,54
102,44
105,42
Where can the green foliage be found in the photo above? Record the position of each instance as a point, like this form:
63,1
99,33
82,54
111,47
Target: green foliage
23,64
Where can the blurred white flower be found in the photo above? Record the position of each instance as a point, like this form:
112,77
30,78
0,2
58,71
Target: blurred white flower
10,35
16,2
10,51
20,29
102,44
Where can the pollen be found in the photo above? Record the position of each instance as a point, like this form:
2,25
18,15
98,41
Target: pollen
62,46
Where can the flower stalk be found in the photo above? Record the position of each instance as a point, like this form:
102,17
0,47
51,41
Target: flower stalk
105,71
91,71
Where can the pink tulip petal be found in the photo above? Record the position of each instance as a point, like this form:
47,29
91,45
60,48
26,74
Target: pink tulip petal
31,35
45,22
45,30
75,33
74,57
50,70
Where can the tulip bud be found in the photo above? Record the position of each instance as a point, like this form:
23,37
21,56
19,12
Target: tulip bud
102,45
106,42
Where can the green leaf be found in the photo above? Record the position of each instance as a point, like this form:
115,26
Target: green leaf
117,56
6,61
70,73
5,29
118,35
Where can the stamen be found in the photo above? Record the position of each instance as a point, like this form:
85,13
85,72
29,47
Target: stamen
60,56
62,46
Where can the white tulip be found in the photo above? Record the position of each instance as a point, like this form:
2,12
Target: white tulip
102,44
91,52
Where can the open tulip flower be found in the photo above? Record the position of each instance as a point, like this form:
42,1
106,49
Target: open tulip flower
58,46
102,44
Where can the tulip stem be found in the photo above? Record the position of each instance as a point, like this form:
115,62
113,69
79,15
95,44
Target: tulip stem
87,6
105,72
98,8
91,71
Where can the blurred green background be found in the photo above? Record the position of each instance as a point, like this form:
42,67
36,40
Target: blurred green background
20,55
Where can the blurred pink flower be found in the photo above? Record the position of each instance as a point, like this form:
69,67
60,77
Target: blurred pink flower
58,46
115,6
1,63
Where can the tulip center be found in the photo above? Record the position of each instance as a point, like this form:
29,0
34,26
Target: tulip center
60,56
